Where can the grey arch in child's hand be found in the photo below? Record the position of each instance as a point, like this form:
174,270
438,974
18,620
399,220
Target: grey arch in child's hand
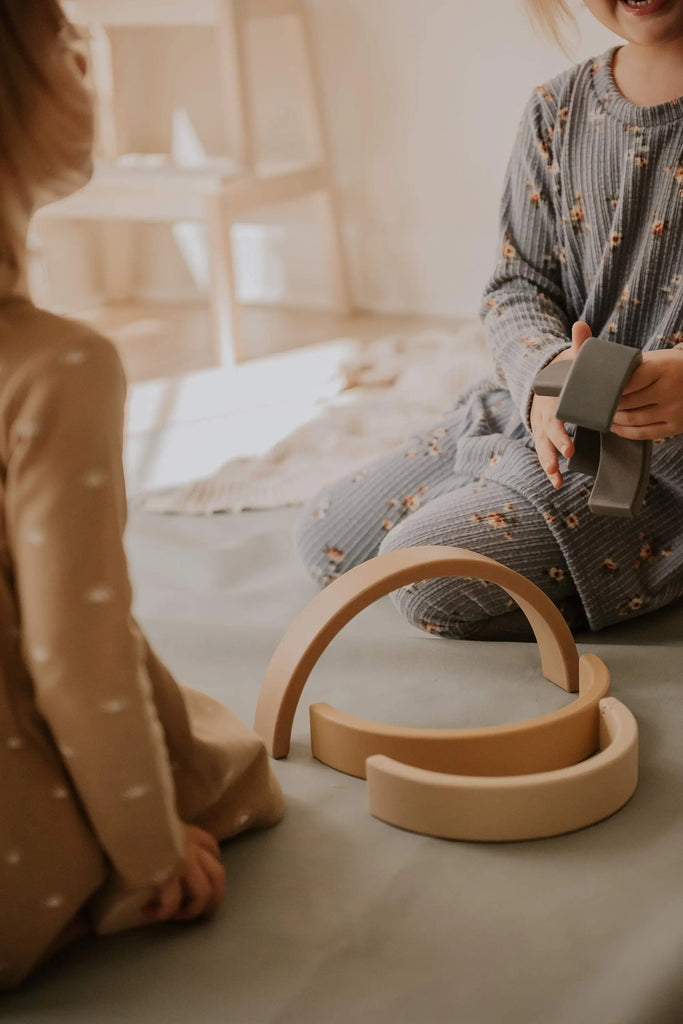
589,388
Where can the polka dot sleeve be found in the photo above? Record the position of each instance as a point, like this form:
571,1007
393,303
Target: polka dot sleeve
66,512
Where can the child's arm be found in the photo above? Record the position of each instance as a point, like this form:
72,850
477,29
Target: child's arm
66,511
523,308
550,434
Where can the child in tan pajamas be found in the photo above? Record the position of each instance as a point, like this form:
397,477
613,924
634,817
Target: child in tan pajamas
116,781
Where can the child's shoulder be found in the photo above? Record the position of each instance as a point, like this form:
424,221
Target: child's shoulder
29,334
553,98
35,344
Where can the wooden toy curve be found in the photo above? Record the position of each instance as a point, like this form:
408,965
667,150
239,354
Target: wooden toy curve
555,740
320,621
516,807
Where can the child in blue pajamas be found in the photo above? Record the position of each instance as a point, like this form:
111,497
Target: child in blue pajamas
591,242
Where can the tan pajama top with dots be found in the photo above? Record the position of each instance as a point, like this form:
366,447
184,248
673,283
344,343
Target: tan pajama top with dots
103,755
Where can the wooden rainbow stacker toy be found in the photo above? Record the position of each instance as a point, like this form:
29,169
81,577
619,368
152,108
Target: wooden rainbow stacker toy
542,777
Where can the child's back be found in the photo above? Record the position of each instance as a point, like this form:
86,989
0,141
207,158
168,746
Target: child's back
104,759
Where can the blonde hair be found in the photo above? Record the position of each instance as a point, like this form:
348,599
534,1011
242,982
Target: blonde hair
552,16
40,117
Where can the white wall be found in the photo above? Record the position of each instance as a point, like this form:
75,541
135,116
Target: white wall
422,99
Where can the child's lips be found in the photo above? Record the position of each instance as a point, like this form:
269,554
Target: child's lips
644,9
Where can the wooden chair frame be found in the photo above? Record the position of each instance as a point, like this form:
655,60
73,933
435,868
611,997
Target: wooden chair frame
122,194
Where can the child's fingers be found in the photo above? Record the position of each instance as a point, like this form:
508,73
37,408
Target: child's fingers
215,872
638,417
550,436
547,456
644,376
204,839
560,438
580,333
638,399
645,399
169,899
648,432
197,892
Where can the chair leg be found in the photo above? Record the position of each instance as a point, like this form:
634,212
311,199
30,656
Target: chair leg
111,134
232,28
225,310
118,260
341,289
118,240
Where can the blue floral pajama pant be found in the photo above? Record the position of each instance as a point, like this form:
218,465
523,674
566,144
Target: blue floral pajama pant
411,497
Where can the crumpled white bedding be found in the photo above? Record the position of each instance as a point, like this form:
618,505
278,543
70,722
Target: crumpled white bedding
389,389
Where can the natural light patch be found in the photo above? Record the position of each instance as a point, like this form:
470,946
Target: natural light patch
138,329
187,151
296,378
262,262
395,387
190,238
182,428
186,146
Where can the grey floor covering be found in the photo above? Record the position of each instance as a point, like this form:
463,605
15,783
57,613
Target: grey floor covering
333,916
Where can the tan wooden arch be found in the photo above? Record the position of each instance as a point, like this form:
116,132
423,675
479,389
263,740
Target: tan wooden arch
515,807
555,740
320,621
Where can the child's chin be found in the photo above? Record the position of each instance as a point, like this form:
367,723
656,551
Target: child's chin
87,170
649,27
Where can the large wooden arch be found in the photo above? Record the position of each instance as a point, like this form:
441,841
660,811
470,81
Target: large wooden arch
320,621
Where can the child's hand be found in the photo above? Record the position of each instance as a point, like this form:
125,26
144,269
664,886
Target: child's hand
550,437
651,406
198,888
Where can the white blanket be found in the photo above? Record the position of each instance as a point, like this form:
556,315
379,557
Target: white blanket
393,387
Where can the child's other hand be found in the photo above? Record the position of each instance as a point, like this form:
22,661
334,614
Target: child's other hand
198,888
651,406
550,436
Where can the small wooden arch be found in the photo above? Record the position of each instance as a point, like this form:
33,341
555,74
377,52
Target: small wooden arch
516,807
556,740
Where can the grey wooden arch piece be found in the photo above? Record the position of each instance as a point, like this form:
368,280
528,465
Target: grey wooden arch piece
589,388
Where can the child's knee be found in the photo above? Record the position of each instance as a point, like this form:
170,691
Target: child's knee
446,606
315,541
422,605
308,537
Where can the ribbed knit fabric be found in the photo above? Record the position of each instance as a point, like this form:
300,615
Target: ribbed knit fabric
591,226
591,229
412,497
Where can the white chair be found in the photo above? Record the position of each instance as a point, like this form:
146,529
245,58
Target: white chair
129,188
